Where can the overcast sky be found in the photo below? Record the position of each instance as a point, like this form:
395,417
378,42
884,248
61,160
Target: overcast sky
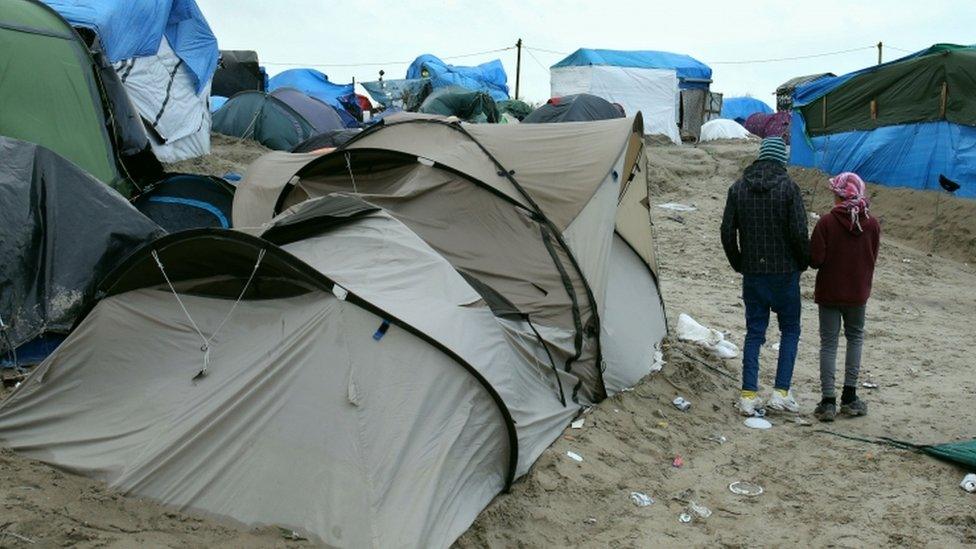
306,32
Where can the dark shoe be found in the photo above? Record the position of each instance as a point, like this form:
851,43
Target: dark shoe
825,411
854,409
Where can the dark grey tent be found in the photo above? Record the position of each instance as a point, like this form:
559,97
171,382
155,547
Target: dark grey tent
188,201
581,107
62,231
327,140
321,116
237,71
263,118
468,105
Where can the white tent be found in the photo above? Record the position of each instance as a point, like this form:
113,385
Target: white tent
723,128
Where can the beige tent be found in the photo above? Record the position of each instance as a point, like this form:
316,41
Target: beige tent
393,350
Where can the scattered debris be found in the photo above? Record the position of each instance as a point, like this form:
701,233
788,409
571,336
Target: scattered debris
758,423
17,536
717,438
641,499
815,215
684,517
589,520
292,535
578,424
676,218
801,422
574,456
681,404
969,483
674,206
744,488
657,366
713,340
906,260
700,510
869,385
678,462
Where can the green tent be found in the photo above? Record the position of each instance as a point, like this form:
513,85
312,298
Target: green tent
264,118
470,106
518,109
49,90
935,84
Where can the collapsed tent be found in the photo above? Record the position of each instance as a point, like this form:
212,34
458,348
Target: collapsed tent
237,71
784,93
406,95
61,93
776,124
904,123
487,77
723,128
62,230
263,118
341,97
741,108
165,54
469,106
188,201
581,107
641,81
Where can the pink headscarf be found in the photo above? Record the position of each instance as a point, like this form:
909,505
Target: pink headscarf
850,188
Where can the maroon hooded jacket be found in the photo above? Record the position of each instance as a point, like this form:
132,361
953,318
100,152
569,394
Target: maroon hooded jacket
845,257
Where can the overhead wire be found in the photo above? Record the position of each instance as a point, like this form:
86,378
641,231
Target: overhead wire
382,63
794,58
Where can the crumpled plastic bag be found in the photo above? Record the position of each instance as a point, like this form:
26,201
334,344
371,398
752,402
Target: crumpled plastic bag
713,340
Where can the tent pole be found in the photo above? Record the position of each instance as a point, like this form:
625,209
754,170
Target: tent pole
518,65
880,46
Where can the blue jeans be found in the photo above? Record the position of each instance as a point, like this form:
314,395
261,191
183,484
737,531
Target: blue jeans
762,293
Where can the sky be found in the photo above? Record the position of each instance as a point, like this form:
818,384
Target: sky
388,34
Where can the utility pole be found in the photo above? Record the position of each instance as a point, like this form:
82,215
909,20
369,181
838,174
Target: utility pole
518,66
880,45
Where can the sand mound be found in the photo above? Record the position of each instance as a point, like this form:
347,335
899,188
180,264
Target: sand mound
227,154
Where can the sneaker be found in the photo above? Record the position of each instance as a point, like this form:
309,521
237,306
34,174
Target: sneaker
825,411
749,402
783,401
854,409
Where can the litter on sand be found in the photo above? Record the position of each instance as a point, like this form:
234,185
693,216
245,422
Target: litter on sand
700,510
743,488
969,483
641,499
869,385
578,424
574,456
674,206
658,364
681,404
758,423
717,438
678,462
713,340
684,517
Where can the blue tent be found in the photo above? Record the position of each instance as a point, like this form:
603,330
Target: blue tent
741,108
910,155
692,73
134,28
488,77
317,85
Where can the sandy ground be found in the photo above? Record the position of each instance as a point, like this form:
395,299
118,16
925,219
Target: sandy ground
820,490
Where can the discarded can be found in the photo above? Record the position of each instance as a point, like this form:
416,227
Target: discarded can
700,510
969,483
681,404
684,517
641,499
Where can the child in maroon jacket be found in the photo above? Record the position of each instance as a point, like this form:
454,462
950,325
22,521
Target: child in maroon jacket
844,247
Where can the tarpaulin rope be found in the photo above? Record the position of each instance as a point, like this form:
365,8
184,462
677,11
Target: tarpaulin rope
351,176
10,344
205,348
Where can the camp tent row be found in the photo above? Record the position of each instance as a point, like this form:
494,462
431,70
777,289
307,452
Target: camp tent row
904,123
409,321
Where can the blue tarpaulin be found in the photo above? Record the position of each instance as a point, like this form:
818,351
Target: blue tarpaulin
906,155
741,108
316,84
487,77
134,28
692,73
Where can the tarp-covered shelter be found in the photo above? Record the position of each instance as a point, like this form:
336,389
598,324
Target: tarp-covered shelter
188,201
237,71
641,81
165,54
467,105
263,118
401,94
487,77
580,107
784,93
415,339
723,128
741,108
59,91
341,97
62,231
904,123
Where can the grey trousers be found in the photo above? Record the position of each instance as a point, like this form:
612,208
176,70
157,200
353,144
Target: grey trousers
830,323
